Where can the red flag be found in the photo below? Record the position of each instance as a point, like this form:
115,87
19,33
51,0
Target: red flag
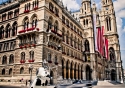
106,44
99,39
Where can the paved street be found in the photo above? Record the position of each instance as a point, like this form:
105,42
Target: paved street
7,86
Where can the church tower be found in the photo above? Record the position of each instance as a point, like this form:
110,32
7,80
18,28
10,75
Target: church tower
86,21
108,20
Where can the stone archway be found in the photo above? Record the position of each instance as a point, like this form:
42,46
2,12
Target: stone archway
88,72
113,75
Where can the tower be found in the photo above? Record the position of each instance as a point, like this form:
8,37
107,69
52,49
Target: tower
108,20
86,21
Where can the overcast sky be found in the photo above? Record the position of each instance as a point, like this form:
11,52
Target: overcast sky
119,6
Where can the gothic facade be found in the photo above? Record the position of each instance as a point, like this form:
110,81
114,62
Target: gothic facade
33,32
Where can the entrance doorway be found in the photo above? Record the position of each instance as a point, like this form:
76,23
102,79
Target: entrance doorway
51,77
88,73
113,75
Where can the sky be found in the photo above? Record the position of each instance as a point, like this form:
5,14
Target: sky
119,6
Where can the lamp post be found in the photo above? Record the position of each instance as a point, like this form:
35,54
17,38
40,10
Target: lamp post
31,68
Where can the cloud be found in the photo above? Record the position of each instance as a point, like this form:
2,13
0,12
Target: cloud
71,4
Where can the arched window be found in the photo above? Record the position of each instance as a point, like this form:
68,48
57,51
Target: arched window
7,31
23,56
108,23
1,32
87,22
50,21
49,56
11,59
51,6
56,26
71,40
56,59
75,42
21,70
3,71
26,23
31,55
87,45
14,29
67,38
63,34
4,60
35,3
34,21
112,54
10,71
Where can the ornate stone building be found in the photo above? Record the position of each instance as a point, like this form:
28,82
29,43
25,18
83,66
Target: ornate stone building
33,31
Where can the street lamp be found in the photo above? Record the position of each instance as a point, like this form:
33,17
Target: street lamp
30,69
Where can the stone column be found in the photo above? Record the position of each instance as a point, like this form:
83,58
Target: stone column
73,74
80,74
64,72
76,73
68,73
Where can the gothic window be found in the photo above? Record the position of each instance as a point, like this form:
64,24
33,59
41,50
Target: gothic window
1,33
85,6
11,59
67,38
10,71
34,21
63,34
81,45
4,60
26,23
71,25
27,6
16,12
51,6
75,42
7,31
71,40
56,59
86,21
50,23
14,29
56,11
35,3
56,26
3,71
67,22
1,45
49,56
31,55
78,44
23,56
108,23
21,70
87,45
112,54
10,14
74,28
4,17
63,19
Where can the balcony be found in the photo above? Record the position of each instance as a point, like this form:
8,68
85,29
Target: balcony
28,30
22,61
28,44
31,60
26,11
